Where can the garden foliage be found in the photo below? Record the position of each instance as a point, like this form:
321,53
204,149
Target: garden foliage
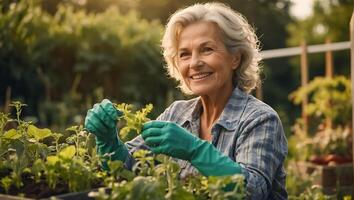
330,98
36,162
56,61
329,110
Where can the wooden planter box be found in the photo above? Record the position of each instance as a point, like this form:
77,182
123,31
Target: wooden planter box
334,179
74,196
67,196
10,197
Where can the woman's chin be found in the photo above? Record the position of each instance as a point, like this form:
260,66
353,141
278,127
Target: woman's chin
200,91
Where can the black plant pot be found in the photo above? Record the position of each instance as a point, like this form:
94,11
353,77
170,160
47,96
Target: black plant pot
77,195
74,196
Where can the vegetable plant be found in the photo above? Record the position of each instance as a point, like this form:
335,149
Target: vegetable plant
329,109
35,157
39,163
133,122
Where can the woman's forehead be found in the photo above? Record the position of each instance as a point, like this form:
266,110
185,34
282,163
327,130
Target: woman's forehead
199,33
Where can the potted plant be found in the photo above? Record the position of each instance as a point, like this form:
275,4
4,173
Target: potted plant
326,147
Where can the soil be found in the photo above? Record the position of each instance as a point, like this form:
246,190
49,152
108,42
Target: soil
39,190
34,190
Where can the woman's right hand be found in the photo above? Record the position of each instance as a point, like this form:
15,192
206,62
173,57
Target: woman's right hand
101,120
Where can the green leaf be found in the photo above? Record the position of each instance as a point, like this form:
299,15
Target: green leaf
147,188
38,133
11,134
133,121
115,165
6,183
82,151
182,194
72,128
52,160
67,152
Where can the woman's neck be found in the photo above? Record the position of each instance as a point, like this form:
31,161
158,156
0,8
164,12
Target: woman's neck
213,106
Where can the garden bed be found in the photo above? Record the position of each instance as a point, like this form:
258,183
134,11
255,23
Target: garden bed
68,196
333,179
37,163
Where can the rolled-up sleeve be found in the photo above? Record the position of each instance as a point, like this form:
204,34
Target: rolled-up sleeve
261,150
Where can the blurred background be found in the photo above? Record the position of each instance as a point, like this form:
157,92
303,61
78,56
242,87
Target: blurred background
62,56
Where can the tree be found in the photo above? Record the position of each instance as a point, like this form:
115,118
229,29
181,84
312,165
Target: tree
117,41
329,19
67,55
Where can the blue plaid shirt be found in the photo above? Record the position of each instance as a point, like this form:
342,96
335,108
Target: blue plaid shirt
248,131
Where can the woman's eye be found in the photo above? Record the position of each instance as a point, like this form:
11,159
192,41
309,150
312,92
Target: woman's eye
183,54
207,49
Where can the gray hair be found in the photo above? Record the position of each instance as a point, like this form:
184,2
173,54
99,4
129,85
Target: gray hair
237,35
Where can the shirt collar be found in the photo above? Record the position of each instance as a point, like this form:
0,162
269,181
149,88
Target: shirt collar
233,109
192,112
229,116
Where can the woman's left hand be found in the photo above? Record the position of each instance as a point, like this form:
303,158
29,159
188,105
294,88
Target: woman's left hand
170,139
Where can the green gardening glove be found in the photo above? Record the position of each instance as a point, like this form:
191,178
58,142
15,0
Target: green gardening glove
101,120
170,139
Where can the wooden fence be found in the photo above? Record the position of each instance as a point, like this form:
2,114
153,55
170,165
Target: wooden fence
303,51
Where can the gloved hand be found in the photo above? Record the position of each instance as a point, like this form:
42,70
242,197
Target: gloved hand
170,139
101,120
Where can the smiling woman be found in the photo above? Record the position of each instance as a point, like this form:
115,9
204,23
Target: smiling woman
229,29
213,52
203,60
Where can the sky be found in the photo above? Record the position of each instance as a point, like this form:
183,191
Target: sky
301,8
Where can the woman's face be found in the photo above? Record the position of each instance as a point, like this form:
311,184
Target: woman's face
203,61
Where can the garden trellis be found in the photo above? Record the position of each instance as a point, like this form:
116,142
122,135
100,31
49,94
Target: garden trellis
303,50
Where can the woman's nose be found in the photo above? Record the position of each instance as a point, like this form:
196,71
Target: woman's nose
195,61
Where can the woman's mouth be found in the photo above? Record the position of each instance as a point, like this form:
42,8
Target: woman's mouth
201,75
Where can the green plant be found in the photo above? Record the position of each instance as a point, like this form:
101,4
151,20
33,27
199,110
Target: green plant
22,145
80,139
157,177
145,164
326,141
296,181
39,157
28,156
55,54
6,183
71,168
162,182
329,98
329,109
313,193
133,121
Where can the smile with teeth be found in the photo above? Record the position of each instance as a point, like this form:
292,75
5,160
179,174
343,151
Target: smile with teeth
200,75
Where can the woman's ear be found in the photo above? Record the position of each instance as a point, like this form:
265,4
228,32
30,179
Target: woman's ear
236,60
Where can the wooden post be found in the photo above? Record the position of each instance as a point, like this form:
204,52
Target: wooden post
304,80
329,61
329,73
7,100
352,76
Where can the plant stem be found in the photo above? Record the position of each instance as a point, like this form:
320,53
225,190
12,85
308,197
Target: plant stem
169,179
